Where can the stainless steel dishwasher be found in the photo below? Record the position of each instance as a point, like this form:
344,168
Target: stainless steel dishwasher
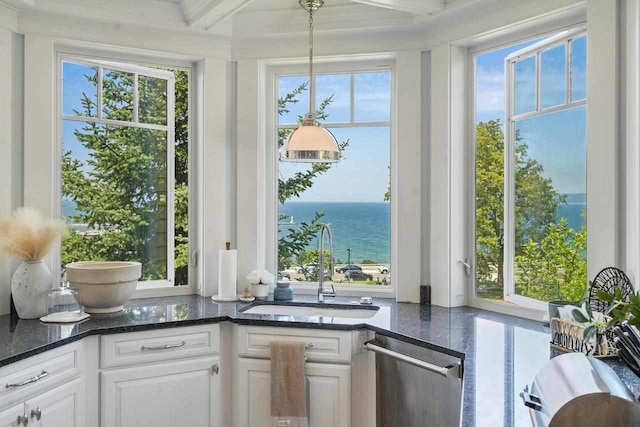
415,386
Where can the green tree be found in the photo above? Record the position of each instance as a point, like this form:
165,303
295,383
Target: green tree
554,268
120,191
536,200
296,240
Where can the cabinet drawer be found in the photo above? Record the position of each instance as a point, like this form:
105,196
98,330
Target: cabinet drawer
321,345
21,380
159,345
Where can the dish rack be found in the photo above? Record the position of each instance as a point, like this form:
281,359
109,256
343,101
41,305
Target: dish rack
569,337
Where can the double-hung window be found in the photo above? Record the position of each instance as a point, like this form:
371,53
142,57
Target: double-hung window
530,226
124,174
352,196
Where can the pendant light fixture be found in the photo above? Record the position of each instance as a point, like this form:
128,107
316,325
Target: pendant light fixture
311,143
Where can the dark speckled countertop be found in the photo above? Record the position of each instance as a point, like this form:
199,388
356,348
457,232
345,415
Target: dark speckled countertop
501,353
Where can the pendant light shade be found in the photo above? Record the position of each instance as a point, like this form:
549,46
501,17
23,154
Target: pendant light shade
311,143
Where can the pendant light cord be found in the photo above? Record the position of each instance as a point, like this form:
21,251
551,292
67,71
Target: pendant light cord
312,91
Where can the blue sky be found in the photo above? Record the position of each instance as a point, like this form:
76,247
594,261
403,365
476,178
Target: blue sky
557,141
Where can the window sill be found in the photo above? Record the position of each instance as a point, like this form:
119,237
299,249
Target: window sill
346,290
509,308
162,291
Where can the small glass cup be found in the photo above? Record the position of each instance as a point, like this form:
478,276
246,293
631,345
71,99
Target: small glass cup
63,300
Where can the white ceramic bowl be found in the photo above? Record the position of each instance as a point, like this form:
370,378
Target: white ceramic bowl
104,286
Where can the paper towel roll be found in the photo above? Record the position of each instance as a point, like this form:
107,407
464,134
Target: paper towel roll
227,267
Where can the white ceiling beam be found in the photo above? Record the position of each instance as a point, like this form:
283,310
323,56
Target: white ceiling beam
203,14
416,7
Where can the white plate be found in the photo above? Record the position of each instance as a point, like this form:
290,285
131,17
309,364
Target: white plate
64,317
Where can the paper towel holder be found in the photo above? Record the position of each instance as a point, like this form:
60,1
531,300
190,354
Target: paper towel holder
228,280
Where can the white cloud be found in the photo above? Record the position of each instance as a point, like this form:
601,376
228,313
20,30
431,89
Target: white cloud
489,91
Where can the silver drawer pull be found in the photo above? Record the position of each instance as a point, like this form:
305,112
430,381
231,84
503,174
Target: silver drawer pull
164,347
29,381
308,345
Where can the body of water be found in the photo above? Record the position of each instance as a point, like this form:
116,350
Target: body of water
573,213
365,228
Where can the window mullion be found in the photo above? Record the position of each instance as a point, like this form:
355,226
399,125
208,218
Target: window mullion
538,81
568,71
135,98
171,181
352,98
99,100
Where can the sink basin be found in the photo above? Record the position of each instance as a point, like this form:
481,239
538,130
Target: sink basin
348,312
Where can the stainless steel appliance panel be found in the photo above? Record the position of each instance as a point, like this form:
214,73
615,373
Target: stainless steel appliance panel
413,396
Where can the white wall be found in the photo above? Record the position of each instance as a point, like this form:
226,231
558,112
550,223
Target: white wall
6,52
36,184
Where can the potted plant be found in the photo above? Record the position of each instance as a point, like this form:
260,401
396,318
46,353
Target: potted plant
260,281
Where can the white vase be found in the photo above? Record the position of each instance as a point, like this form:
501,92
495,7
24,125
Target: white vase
29,286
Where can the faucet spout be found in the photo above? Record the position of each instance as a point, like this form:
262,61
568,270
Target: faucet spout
322,292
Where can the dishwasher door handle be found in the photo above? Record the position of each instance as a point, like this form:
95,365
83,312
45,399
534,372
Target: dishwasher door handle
451,371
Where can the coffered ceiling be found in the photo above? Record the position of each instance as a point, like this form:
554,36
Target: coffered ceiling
245,18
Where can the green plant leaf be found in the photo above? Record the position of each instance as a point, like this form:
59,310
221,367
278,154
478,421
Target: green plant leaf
579,316
589,331
605,296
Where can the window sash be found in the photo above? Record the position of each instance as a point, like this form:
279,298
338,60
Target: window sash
137,71
348,287
535,50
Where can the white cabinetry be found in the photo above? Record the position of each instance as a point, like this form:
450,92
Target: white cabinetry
60,407
328,394
329,374
157,381
11,416
45,390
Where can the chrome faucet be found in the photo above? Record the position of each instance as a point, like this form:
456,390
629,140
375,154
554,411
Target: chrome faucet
322,292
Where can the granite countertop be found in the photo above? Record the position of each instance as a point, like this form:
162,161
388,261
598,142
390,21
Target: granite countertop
501,353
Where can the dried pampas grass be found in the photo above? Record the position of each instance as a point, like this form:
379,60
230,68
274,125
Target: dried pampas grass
27,235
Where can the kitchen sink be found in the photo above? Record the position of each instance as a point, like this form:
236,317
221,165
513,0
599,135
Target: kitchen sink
332,310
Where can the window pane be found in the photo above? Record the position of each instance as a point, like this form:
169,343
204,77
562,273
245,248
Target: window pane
293,96
336,87
114,195
117,95
152,100
79,93
372,97
550,233
525,85
579,69
553,79
351,197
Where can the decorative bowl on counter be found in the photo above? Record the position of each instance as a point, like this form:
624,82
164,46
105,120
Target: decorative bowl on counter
104,286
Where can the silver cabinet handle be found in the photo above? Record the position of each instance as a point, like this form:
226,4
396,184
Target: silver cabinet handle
36,413
451,371
163,347
215,369
22,420
308,345
29,381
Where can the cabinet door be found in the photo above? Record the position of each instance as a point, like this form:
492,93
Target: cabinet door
328,394
9,417
184,393
60,407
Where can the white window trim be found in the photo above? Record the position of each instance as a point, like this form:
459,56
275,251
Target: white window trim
277,69
126,61
517,305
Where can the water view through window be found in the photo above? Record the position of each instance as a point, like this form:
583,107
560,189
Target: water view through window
531,237
352,196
